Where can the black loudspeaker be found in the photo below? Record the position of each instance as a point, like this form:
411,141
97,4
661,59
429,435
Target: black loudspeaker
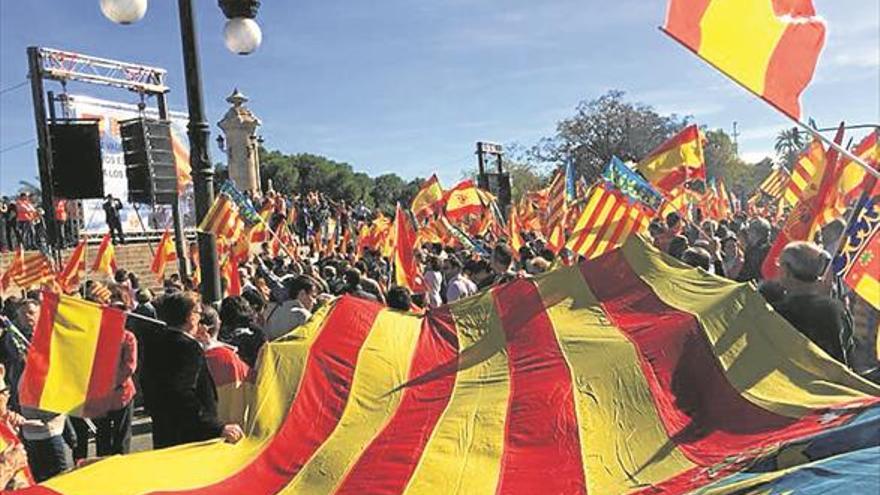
499,185
77,167
149,161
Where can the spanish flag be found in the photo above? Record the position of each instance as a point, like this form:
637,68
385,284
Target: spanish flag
462,200
676,161
73,271
853,177
406,268
165,253
428,198
770,47
71,364
105,261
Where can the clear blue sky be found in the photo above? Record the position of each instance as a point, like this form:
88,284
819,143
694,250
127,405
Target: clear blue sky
408,86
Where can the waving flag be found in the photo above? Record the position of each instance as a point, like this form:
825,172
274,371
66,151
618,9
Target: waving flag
27,270
853,177
770,47
775,183
73,271
406,267
806,175
165,253
105,260
71,364
632,184
864,272
428,197
676,161
462,200
608,219
538,386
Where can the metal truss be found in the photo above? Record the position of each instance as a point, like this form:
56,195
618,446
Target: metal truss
60,65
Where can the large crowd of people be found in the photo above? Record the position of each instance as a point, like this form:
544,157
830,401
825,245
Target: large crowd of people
172,369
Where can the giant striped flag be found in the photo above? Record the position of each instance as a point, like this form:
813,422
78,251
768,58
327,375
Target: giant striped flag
608,219
770,47
629,373
71,364
675,162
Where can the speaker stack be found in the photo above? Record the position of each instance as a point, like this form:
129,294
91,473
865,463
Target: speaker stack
149,161
77,167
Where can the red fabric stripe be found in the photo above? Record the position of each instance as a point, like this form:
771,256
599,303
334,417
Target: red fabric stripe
387,465
591,221
673,179
542,451
792,64
37,363
105,363
701,411
683,20
619,233
318,405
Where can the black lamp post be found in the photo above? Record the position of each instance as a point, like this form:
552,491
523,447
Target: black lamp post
242,35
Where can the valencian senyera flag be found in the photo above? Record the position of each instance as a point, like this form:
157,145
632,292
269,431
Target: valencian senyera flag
768,46
71,364
628,373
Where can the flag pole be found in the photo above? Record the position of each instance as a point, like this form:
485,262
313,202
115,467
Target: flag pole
813,132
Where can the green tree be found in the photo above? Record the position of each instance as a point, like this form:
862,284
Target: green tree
604,127
789,144
723,163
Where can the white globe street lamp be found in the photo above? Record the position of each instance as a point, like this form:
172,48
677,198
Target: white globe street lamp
124,11
242,35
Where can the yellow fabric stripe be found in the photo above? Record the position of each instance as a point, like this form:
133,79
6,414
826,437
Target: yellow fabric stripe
75,334
464,452
172,469
868,288
745,58
593,234
382,366
612,226
750,341
624,446
595,196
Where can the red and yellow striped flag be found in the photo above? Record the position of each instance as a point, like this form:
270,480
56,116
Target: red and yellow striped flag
71,364
73,271
676,161
165,253
806,175
428,197
223,219
853,177
406,267
775,183
770,47
105,260
27,270
535,386
608,219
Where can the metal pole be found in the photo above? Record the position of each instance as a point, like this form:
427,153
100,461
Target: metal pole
199,154
179,239
44,146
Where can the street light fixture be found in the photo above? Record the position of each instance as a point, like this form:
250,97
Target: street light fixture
242,37
124,11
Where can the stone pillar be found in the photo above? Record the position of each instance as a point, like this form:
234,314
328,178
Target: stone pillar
239,127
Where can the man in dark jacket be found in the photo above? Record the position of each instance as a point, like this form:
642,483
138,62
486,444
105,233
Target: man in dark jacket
758,245
178,389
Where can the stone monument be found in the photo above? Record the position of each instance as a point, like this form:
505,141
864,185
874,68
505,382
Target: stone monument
239,126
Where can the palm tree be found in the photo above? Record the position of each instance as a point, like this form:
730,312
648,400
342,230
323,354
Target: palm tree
789,144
